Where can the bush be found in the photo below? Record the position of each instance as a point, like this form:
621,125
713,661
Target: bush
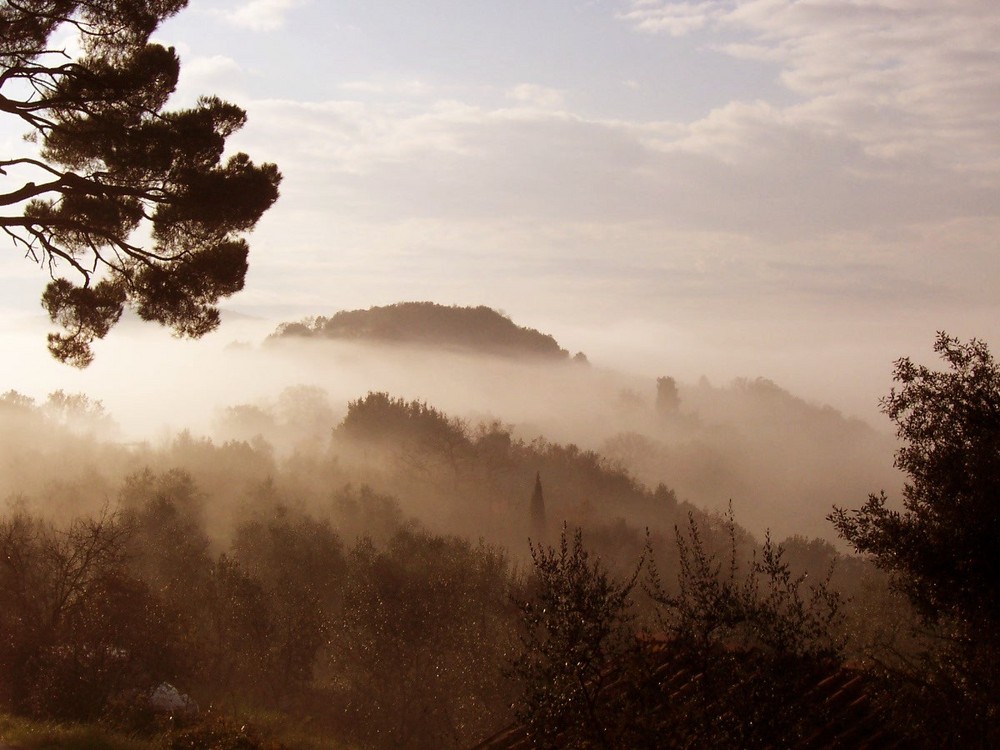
578,635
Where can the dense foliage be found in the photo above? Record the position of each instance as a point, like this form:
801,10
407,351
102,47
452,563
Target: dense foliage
726,655
419,451
96,614
580,621
941,549
943,545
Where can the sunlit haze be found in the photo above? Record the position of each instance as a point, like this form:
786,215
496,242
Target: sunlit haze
803,191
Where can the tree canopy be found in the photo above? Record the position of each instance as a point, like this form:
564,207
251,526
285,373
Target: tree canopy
121,201
479,329
943,546
941,549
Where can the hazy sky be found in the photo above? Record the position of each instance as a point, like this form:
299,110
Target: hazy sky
800,189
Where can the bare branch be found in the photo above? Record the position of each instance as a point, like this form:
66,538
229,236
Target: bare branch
30,162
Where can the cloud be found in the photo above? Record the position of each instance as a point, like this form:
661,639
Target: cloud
337,139
745,167
261,15
533,95
903,77
218,74
211,68
673,18
876,183
734,223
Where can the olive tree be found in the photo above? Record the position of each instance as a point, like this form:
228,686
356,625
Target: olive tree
578,635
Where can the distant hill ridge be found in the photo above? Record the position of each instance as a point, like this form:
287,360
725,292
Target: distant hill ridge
479,329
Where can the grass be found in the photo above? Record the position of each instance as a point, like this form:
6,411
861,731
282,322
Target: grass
25,734
293,733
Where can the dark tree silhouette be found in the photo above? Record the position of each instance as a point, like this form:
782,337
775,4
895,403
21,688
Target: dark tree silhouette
428,324
942,548
538,507
109,164
668,401
75,625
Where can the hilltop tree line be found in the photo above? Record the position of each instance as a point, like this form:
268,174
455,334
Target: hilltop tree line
469,475
474,329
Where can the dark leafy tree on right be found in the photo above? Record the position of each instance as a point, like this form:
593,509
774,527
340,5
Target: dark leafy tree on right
942,549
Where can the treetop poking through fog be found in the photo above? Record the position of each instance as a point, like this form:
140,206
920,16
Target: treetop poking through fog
111,166
480,329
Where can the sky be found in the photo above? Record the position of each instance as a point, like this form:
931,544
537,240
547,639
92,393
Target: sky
802,190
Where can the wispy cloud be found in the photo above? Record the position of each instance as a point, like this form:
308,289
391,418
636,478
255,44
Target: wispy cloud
211,68
903,77
219,74
746,167
673,18
261,15
533,95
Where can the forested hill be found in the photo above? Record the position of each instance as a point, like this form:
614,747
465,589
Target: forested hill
480,329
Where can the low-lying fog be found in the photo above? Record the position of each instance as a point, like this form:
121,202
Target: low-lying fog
783,461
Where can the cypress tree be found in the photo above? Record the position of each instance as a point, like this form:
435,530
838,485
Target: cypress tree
538,507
